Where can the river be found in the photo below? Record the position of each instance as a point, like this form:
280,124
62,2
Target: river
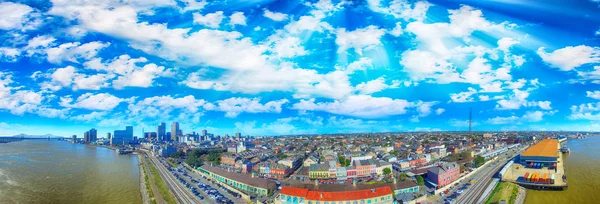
42,171
583,176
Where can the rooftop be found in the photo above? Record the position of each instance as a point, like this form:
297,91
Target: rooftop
337,196
544,148
242,178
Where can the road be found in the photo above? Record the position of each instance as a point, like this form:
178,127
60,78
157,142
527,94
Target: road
181,193
484,178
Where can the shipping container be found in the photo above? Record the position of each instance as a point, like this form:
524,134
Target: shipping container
531,165
530,177
544,178
526,175
552,179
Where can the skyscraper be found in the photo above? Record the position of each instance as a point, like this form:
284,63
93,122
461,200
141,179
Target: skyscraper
74,139
238,135
93,135
204,132
160,131
174,131
123,136
86,137
108,136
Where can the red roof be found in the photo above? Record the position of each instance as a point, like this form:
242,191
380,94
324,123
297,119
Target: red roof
349,195
291,191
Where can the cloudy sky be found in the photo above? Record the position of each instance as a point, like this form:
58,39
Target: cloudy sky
294,67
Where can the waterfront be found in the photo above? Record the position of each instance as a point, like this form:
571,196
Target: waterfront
42,171
583,175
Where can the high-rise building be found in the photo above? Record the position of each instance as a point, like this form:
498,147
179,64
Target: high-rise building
108,136
150,135
160,131
74,139
122,136
86,137
204,132
175,131
238,135
93,135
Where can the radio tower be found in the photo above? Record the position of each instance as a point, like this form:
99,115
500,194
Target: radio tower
470,123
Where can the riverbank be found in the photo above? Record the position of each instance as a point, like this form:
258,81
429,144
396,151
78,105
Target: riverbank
505,191
145,191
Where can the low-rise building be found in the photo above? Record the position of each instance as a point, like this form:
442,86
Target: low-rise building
444,174
292,195
243,182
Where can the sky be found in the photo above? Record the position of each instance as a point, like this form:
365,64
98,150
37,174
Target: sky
265,67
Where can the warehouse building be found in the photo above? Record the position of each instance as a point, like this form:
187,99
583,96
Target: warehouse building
542,154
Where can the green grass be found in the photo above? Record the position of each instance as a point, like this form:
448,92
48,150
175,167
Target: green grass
148,185
504,191
171,162
162,186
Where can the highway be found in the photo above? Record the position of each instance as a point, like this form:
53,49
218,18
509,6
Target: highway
181,193
211,184
483,179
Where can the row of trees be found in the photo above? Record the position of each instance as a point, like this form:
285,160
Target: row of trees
197,157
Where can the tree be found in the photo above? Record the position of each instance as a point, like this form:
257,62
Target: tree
462,168
282,156
395,153
403,176
177,155
387,171
479,160
420,181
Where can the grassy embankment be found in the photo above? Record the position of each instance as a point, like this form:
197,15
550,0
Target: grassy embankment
504,191
162,186
148,185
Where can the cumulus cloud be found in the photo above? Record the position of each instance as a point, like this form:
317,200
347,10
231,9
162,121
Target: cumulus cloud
359,39
275,15
101,101
363,106
211,20
587,111
593,94
237,18
75,51
234,106
530,116
401,9
570,57
15,16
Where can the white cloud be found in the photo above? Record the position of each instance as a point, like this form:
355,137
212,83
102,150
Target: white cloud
363,106
534,116
42,41
359,39
462,123
101,101
570,57
275,15
67,76
505,43
237,18
211,20
304,83
128,73
397,31
9,54
309,23
593,94
493,87
19,102
424,108
192,5
204,47
234,106
74,51
439,111
402,9
143,77
372,86
14,15
361,64
463,96
287,47
588,111
597,32
93,116
164,106
519,99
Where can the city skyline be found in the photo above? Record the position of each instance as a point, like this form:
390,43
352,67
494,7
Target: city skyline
272,68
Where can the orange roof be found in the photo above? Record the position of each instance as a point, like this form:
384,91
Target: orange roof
348,195
291,191
544,148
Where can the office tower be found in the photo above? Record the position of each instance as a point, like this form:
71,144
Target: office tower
123,136
160,131
74,138
108,136
168,136
174,131
93,135
204,132
238,135
86,137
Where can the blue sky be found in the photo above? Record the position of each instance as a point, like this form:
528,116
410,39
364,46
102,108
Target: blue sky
297,67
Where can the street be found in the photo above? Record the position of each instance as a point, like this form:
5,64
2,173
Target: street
180,192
